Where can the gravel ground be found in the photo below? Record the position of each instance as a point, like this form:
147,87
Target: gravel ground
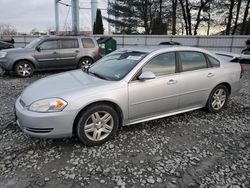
195,149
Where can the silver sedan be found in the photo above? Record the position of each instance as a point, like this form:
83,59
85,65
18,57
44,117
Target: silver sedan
128,86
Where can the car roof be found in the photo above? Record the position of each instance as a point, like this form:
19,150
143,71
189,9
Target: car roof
149,49
146,49
63,36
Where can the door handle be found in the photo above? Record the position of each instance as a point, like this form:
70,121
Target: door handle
54,53
172,82
210,74
77,51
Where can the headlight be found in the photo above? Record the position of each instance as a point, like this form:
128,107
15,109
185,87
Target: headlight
48,105
3,54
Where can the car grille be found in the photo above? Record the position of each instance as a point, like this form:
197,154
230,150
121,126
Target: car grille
38,130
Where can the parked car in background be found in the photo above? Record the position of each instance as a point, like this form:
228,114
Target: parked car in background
51,53
128,86
5,45
170,43
245,55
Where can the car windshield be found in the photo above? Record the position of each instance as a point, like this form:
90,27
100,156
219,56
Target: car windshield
33,43
116,65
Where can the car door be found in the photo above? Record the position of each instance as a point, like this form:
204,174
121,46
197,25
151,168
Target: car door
68,53
156,96
196,79
48,54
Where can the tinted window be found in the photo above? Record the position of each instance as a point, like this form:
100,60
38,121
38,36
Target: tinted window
88,43
162,64
69,43
49,45
192,61
214,62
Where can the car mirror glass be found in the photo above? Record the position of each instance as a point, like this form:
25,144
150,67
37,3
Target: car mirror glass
147,76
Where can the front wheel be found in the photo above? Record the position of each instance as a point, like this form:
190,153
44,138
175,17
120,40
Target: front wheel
218,99
24,69
97,124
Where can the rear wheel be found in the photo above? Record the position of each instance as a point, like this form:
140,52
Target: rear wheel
97,124
24,69
218,99
85,62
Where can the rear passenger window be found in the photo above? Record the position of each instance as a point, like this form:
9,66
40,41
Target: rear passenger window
192,61
214,62
88,43
69,43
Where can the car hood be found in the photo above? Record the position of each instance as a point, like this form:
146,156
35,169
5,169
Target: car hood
64,85
18,50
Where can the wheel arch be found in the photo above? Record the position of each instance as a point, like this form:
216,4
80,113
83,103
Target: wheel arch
19,60
115,106
226,84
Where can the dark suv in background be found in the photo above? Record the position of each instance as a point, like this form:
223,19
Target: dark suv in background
50,53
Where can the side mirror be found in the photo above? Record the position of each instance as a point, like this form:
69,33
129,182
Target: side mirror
38,48
147,76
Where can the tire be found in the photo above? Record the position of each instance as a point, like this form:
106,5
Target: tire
24,69
98,124
218,99
85,61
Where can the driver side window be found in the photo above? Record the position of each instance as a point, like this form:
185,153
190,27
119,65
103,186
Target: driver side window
49,45
161,65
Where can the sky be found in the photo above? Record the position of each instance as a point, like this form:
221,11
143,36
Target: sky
25,15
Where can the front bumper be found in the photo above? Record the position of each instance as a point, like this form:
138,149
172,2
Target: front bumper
44,125
4,64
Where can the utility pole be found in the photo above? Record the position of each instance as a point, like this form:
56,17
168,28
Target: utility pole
56,16
75,16
93,12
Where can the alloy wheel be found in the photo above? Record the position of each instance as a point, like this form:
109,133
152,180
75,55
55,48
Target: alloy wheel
98,126
24,69
219,99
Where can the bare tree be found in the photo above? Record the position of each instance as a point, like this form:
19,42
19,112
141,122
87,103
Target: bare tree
184,14
201,7
174,10
6,29
243,26
237,17
230,17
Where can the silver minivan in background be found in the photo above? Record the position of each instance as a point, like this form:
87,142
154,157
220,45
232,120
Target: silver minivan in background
50,53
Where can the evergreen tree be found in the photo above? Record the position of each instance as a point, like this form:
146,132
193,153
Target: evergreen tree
98,25
129,15
124,19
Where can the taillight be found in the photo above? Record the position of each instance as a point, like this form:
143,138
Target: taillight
242,71
99,51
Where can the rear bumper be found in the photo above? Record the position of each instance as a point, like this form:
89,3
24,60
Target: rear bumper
235,87
44,125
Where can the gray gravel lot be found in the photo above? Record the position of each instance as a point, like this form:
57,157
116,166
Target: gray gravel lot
195,149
